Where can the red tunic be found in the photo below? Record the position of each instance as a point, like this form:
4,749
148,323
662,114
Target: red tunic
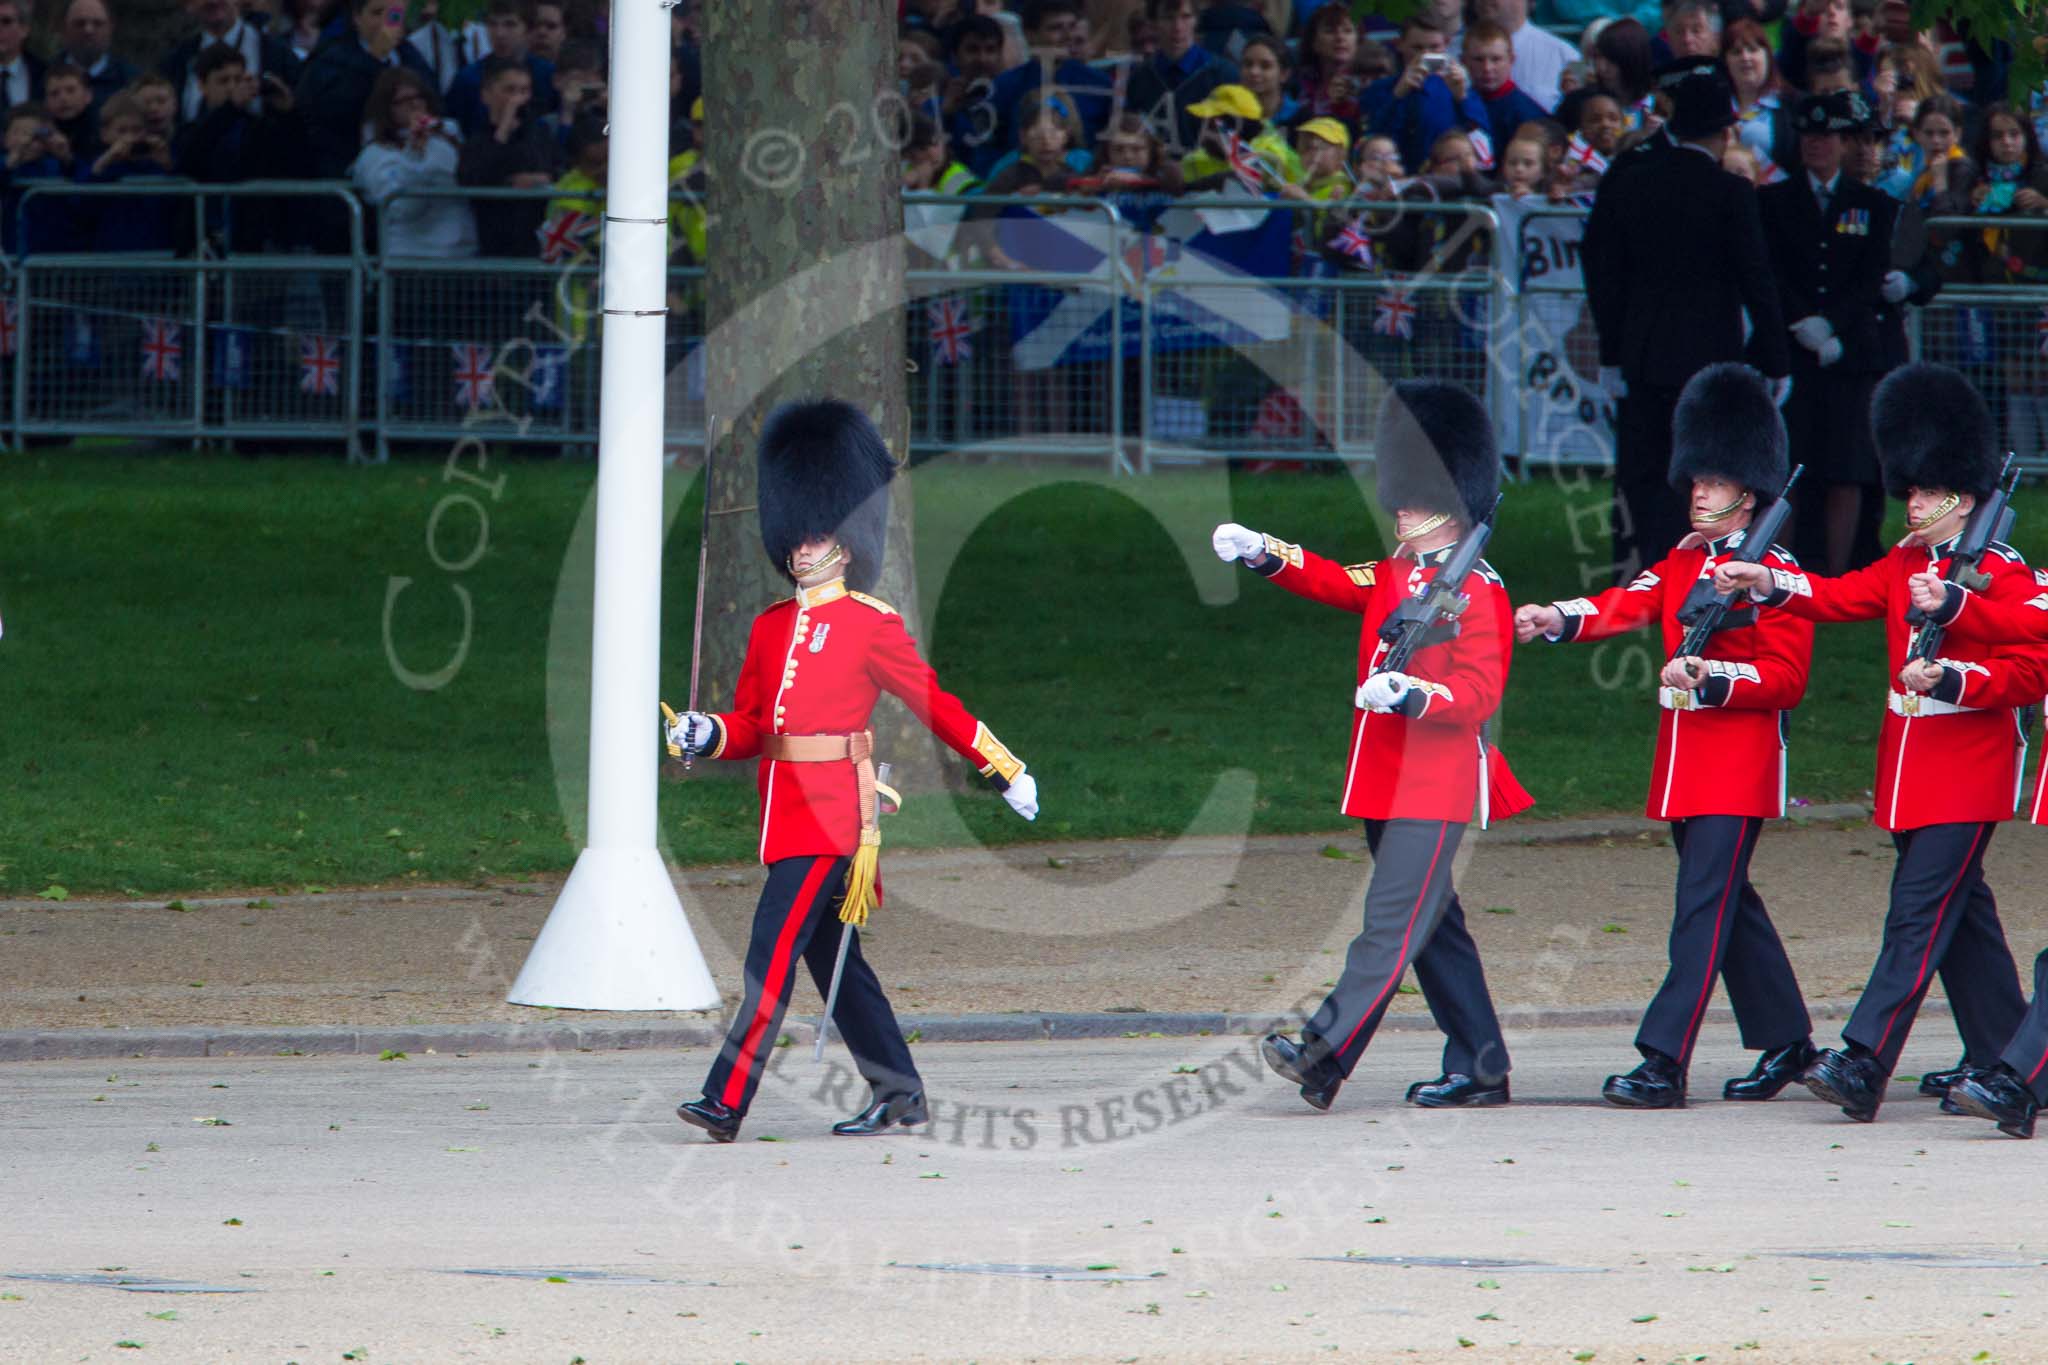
815,665
1983,617
1713,757
1939,761
1428,767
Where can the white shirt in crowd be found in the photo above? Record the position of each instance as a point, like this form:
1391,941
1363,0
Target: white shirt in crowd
439,227
14,82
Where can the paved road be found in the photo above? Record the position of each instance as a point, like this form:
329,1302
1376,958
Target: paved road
1190,1207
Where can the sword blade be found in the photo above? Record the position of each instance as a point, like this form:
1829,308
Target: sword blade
832,992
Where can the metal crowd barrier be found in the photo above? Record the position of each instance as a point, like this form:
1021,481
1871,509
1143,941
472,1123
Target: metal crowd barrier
1103,328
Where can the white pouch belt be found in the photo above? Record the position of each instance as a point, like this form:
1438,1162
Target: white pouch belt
1920,704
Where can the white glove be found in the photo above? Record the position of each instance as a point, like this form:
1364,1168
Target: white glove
1383,691
692,732
1612,382
1231,541
1781,390
1830,352
1897,284
1022,794
1811,332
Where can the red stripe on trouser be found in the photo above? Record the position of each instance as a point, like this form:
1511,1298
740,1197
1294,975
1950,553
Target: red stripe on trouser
1920,980
1394,977
1714,953
773,983
2036,1072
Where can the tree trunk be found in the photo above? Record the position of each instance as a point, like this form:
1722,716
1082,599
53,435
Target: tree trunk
804,285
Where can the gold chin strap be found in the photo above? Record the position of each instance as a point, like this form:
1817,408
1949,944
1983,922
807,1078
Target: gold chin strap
1726,512
1948,505
837,555
1427,526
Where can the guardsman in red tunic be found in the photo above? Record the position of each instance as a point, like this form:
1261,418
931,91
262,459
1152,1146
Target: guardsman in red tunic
1952,747
2011,1091
815,666
1419,762
1720,766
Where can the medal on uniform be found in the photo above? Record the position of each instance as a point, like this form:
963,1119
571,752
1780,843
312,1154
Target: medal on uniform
818,636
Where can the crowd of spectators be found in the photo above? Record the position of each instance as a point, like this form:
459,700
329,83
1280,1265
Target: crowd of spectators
1144,100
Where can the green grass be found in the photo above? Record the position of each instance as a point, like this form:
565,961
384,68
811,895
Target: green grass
195,691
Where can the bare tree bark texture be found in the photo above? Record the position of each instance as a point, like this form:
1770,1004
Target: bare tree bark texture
804,285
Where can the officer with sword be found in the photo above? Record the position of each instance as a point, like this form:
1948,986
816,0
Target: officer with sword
815,666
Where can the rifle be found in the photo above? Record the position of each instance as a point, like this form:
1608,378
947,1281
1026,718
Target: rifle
1703,616
1990,520
1431,616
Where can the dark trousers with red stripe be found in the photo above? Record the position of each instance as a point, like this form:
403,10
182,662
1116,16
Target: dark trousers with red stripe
797,917
1412,917
1719,927
2027,1053
1943,921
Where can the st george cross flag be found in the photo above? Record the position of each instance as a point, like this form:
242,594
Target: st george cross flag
1354,242
1579,152
565,234
473,387
951,325
163,349
319,365
1393,315
1482,147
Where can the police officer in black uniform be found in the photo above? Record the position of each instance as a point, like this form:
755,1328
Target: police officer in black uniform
1830,244
1674,255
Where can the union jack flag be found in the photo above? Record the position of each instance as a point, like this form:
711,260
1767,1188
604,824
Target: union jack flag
1244,162
319,365
1768,172
473,387
2040,330
163,349
951,326
1482,147
1353,241
1581,153
10,327
565,234
1393,315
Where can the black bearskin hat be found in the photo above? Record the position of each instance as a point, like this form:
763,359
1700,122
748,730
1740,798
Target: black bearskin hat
825,471
1727,427
1435,449
1933,431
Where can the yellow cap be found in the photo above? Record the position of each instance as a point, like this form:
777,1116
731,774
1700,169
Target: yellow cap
697,109
1234,100
1329,130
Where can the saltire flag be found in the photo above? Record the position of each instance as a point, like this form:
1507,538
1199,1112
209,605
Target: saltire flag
951,325
565,234
1482,147
320,365
473,387
1581,153
227,361
1354,242
1393,315
548,381
82,344
163,349
394,370
1244,162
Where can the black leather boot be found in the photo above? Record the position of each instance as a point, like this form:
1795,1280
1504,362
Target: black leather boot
1998,1095
883,1114
1851,1079
714,1118
1774,1071
1305,1065
1658,1083
1937,1084
1457,1091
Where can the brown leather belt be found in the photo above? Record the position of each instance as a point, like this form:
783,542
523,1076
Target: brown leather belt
857,749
